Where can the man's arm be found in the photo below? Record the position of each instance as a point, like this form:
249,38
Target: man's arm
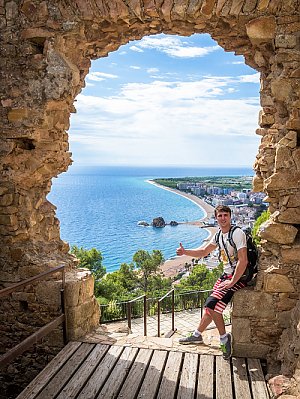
196,253
239,269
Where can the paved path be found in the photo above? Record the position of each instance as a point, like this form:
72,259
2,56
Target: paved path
117,333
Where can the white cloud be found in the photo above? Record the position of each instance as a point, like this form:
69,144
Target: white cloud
135,67
100,76
175,47
172,121
137,49
254,78
152,70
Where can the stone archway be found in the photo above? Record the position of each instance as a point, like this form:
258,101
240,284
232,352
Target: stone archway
46,51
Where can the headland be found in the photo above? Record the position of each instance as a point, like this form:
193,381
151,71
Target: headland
172,267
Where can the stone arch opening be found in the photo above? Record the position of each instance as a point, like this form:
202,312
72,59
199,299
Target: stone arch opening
47,47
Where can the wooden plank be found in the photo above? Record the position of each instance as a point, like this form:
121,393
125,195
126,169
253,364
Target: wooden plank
240,378
83,373
101,373
136,374
170,377
223,379
153,376
118,374
65,373
49,371
188,379
205,388
258,383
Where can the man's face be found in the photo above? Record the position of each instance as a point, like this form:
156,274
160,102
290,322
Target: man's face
224,220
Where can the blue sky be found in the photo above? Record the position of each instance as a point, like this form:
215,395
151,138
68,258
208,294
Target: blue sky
167,101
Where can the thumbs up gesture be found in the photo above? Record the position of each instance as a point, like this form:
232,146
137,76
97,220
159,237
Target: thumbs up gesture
180,250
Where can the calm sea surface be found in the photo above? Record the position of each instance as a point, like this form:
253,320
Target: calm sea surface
101,206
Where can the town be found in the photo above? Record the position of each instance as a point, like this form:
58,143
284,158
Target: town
233,191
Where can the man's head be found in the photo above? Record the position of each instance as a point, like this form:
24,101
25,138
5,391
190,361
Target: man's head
222,208
223,216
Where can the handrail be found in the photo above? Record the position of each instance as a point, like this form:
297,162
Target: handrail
144,312
172,291
17,350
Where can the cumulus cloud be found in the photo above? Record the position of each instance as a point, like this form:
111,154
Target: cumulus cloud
100,76
168,119
174,47
136,48
135,67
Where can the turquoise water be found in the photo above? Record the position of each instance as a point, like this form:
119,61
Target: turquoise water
101,206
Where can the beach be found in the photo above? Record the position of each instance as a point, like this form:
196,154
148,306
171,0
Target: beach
172,267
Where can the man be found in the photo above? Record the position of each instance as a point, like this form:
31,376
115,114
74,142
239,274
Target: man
235,263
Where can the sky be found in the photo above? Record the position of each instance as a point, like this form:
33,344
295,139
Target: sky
167,100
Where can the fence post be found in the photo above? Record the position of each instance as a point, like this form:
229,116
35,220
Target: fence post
173,310
145,316
158,318
129,315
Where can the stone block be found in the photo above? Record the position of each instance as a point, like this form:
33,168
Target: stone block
249,303
49,293
250,350
290,215
258,184
283,181
285,302
278,283
79,290
281,88
284,319
241,330
261,30
291,255
17,115
279,233
285,41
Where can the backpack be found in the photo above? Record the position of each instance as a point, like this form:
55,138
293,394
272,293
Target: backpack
252,252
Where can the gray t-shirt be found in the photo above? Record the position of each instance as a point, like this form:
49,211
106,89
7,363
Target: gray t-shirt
239,238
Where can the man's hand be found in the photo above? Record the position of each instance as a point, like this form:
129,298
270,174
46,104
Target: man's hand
226,284
180,250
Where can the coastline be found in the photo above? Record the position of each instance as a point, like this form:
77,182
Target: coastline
171,267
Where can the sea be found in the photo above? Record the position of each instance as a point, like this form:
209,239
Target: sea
100,207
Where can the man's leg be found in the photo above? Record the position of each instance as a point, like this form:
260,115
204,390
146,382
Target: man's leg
218,320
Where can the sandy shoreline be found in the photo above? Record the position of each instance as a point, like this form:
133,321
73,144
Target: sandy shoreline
172,267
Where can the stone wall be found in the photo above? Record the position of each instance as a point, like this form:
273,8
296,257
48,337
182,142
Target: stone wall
46,48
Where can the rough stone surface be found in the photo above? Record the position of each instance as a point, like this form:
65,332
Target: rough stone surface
46,51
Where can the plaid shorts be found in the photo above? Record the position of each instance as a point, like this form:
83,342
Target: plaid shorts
219,298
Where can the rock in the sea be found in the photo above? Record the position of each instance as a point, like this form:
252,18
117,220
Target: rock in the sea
143,223
173,223
158,222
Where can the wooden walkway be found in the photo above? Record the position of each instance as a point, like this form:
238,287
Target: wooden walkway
86,371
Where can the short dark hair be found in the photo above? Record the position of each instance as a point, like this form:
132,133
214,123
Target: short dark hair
222,208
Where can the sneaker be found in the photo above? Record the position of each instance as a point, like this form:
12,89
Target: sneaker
191,339
227,347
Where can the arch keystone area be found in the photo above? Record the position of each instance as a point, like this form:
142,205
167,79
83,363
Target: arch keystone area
46,51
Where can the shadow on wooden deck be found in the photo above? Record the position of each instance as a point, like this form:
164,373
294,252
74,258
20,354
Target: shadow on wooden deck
86,370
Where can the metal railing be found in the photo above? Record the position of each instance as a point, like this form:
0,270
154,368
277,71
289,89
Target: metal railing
172,331
129,304
28,342
172,302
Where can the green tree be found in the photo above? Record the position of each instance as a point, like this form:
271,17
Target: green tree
200,278
147,266
90,259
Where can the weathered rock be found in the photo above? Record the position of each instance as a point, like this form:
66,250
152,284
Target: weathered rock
278,232
46,52
158,222
278,283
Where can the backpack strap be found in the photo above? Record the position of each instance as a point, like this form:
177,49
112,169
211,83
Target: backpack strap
217,239
230,237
